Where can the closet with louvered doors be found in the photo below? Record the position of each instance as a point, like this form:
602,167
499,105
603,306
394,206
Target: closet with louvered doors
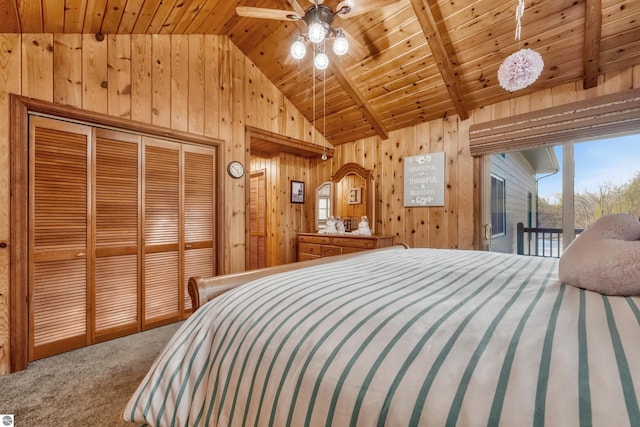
118,224
116,204
60,259
179,226
199,220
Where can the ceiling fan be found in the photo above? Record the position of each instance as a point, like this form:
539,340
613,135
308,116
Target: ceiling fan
318,19
345,9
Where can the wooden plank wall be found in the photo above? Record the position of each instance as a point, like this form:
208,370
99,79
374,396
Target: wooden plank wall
439,227
284,219
196,83
9,82
220,92
451,226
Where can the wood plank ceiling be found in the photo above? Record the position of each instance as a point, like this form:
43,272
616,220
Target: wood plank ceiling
410,60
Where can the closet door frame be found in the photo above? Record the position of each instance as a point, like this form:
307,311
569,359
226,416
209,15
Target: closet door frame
20,109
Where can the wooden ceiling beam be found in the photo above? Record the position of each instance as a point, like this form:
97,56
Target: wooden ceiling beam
347,83
352,90
430,30
592,34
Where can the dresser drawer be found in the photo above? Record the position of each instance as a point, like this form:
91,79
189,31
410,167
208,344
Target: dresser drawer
356,243
310,248
331,250
320,240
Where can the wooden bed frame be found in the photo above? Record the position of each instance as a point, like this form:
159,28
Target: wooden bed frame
204,289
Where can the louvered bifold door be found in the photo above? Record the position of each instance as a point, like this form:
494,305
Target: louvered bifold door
117,211
59,258
162,289
257,221
199,215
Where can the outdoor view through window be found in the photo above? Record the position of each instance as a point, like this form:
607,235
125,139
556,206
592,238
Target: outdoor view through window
607,180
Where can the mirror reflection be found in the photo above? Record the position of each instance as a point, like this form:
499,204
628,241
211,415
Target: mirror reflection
349,197
324,195
351,200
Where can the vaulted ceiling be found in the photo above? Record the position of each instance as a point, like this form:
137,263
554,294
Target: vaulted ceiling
410,61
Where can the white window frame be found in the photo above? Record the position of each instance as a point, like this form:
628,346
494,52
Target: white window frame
495,232
324,193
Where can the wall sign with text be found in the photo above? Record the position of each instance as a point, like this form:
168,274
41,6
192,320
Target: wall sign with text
424,180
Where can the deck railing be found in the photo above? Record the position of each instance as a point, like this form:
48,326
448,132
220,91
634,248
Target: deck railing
540,241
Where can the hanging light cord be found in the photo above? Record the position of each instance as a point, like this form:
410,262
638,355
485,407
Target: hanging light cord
313,110
324,114
519,13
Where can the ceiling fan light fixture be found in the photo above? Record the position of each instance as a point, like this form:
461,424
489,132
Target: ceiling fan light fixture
316,32
298,48
340,44
321,61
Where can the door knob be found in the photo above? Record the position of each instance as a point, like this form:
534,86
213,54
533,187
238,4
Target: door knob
3,245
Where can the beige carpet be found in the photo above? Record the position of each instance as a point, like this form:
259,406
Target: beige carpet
85,387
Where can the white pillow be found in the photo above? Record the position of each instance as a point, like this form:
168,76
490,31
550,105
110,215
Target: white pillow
605,257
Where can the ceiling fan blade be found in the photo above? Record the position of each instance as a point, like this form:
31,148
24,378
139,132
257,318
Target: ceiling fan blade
360,7
356,48
296,7
263,13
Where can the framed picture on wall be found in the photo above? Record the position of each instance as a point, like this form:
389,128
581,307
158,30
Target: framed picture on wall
297,192
355,196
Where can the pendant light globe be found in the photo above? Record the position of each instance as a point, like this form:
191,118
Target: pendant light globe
340,44
298,49
321,61
316,32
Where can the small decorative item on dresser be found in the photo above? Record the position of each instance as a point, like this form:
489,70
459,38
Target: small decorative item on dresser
331,227
363,227
347,224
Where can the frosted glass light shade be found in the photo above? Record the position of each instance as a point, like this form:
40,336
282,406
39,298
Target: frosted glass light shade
316,32
340,45
298,49
321,61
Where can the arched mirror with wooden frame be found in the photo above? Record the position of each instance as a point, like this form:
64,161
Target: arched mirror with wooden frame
324,204
353,194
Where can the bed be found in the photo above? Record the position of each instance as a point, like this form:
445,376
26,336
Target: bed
401,337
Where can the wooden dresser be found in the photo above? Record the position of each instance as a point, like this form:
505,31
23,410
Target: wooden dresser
313,245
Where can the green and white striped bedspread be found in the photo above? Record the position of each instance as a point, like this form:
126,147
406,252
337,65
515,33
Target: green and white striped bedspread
402,338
